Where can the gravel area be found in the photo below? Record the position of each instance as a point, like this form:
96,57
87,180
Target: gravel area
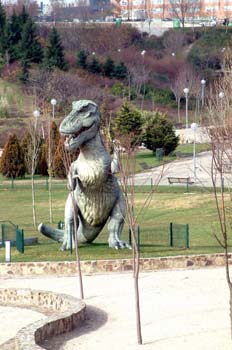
182,309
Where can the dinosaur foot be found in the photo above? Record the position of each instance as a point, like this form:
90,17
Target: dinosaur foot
118,244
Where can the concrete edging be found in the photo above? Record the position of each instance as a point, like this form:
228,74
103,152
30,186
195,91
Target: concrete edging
104,266
67,314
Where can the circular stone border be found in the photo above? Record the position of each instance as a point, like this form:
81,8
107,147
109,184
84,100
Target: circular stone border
66,312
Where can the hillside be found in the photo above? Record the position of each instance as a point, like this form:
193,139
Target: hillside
149,81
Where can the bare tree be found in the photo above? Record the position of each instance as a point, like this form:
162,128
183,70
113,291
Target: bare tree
125,159
185,77
220,130
68,167
185,9
31,158
173,42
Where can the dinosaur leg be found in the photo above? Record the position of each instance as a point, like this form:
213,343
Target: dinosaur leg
68,240
116,223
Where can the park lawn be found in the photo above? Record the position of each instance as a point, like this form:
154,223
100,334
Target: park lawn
149,157
168,204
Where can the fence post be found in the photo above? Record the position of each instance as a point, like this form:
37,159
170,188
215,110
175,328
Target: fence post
46,183
139,242
12,183
129,236
71,236
171,234
3,235
187,236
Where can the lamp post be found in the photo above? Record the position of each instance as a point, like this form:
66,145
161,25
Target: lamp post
203,82
173,54
142,54
221,96
36,115
186,91
194,127
53,103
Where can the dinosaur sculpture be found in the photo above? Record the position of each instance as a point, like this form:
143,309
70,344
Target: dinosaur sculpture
95,195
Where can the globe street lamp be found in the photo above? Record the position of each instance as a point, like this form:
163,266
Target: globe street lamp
53,103
221,96
173,54
194,127
186,91
36,114
203,82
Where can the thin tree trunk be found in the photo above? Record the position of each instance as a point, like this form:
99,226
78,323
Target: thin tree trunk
33,198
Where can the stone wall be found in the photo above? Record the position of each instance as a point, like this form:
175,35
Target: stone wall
67,314
103,266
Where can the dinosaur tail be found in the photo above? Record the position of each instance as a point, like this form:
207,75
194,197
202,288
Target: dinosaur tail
50,232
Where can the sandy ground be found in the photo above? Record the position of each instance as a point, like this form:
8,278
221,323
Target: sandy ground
182,309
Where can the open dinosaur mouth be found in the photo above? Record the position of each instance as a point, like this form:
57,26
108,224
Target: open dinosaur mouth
70,138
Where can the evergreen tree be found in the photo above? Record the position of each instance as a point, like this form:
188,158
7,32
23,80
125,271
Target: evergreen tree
2,29
94,66
14,37
128,120
54,55
24,74
42,166
81,59
158,132
58,163
108,67
30,46
23,17
12,161
120,71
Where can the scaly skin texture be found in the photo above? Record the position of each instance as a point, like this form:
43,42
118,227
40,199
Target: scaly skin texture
94,195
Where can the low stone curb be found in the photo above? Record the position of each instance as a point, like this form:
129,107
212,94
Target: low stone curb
104,266
67,314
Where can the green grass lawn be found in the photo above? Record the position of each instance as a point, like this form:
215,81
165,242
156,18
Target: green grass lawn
150,159
168,204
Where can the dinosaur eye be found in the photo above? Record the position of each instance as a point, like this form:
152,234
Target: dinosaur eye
84,109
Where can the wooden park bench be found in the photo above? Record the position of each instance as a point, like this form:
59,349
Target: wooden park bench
181,180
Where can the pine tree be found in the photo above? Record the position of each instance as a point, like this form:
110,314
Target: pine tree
2,29
94,66
23,17
120,71
12,161
108,67
42,166
14,36
54,55
128,120
58,163
30,47
24,74
81,59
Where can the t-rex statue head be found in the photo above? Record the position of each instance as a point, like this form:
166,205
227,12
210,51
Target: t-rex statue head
81,125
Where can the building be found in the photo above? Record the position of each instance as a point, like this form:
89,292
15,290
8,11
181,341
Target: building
142,9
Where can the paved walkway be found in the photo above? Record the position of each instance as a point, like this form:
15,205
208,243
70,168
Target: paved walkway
182,168
182,309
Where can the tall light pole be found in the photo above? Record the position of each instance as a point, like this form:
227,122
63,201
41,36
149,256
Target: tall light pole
194,127
142,54
36,115
186,91
221,96
53,103
203,82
